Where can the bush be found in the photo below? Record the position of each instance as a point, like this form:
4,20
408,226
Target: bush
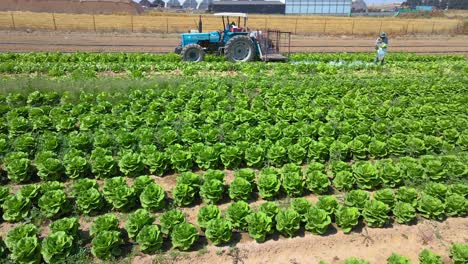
240,189
459,253
268,183
237,213
218,231
183,236
107,222
106,244
375,213
398,259
57,247
212,191
347,218
136,221
206,214
404,212
152,197
288,222
259,225
183,194
317,220
428,257
150,239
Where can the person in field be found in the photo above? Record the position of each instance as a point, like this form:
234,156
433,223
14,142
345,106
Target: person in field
381,46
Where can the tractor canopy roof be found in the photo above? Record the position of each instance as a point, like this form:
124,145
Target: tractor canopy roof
229,14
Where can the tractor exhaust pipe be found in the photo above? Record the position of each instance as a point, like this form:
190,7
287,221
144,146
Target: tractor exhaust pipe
200,25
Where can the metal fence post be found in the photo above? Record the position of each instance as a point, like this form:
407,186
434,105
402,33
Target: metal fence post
13,21
94,24
325,26
131,21
432,31
295,27
167,25
53,19
352,28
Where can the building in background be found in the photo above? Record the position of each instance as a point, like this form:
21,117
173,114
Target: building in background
358,6
318,7
250,7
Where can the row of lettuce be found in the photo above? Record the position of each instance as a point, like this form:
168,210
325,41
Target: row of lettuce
137,65
176,129
53,201
107,239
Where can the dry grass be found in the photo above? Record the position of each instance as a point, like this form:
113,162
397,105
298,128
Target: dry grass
177,23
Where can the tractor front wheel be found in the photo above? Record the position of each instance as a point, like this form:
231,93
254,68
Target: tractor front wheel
239,48
193,52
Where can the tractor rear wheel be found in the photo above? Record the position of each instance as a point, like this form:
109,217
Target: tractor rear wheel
193,52
239,48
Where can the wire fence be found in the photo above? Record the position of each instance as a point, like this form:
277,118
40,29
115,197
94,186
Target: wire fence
168,23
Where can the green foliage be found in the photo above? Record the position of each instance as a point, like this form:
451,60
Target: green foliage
18,167
190,178
271,209
353,260
237,213
459,253
366,175
19,232
152,197
268,183
344,181
317,182
317,220
288,222
428,257
150,239
54,203
240,189
301,206
456,205
407,195
131,164
375,213
169,219
57,247
16,208
141,182
259,225
431,207
183,236
327,203
118,193
107,244
437,190
247,174
386,196
357,198
136,221
398,259
89,201
183,194
107,222
212,191
404,212
31,191
207,213
26,250
347,218
218,231
69,225
291,180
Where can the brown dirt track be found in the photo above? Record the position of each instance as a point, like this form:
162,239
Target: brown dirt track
157,43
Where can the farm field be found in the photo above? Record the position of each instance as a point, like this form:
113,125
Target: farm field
162,43
140,158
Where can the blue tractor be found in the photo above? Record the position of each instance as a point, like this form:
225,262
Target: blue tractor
235,42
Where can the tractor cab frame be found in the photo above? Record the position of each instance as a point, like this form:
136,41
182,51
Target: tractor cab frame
234,41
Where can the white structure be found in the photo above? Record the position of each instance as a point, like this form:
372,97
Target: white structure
358,6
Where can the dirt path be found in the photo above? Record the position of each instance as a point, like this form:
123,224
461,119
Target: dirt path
372,244
71,42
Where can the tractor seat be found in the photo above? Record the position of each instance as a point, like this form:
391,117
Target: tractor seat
236,29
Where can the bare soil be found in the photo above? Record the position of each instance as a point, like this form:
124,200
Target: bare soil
158,43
